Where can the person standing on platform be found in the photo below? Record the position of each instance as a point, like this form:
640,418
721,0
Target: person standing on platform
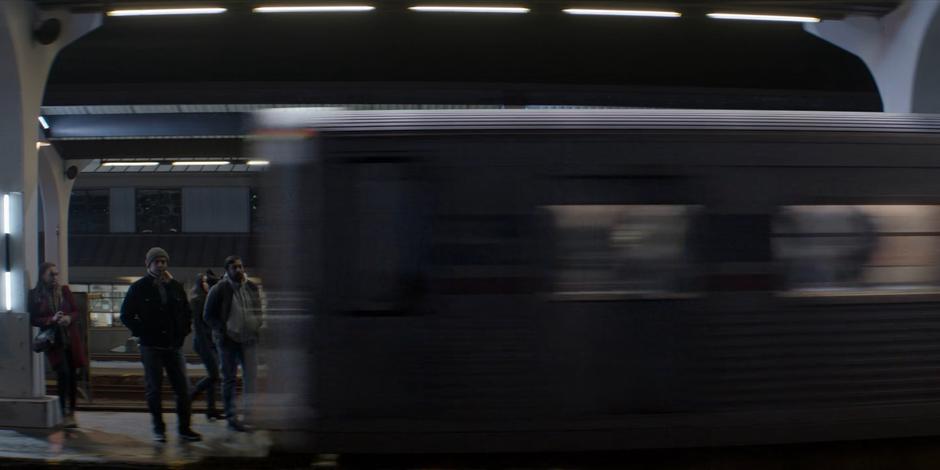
52,305
233,311
203,344
157,312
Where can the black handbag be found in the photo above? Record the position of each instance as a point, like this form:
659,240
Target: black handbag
45,340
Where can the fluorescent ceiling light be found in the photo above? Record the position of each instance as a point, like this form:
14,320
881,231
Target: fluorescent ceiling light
167,11
743,16
8,290
6,214
40,145
312,9
650,13
469,9
130,164
200,163
43,123
258,162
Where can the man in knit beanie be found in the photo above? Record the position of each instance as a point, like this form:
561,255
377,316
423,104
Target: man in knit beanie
155,253
156,310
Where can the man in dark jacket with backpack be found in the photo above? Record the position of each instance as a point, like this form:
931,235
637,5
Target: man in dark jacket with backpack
156,310
233,312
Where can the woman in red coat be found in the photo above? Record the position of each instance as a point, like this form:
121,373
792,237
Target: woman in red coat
52,305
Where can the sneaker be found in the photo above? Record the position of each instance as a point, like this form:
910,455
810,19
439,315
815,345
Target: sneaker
159,435
214,415
189,435
235,425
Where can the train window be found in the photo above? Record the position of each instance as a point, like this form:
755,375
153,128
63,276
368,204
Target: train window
857,250
383,267
609,251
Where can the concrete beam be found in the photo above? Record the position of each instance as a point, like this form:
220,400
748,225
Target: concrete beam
902,51
24,67
56,191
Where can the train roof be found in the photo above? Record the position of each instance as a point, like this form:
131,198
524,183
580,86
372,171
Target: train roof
329,120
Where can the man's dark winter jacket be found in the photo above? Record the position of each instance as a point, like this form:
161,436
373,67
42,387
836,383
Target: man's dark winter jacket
155,323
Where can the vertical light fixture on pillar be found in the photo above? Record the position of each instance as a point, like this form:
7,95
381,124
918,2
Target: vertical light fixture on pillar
7,263
9,224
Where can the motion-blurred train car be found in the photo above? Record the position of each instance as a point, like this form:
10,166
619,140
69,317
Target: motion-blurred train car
549,280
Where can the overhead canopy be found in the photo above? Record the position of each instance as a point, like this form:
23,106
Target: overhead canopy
395,56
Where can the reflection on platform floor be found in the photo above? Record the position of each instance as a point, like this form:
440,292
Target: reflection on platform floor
122,440
106,438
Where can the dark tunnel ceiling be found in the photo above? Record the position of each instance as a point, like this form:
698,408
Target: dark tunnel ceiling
392,45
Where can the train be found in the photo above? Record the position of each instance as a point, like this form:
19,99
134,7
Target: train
532,280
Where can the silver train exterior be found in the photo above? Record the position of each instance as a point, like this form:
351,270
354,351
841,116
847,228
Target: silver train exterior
566,280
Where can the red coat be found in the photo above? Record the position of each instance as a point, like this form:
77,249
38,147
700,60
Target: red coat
41,314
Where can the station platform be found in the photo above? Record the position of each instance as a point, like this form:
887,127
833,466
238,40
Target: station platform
124,440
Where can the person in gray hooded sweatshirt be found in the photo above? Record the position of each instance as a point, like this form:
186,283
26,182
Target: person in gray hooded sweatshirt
233,312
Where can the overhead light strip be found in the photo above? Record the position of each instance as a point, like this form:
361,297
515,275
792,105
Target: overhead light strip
312,9
201,163
751,17
468,9
168,11
130,164
645,13
258,162
43,123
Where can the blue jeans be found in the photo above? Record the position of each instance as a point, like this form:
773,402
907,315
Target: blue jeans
210,358
231,355
155,361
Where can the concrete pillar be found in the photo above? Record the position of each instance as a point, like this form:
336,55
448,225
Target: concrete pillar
902,51
24,67
56,189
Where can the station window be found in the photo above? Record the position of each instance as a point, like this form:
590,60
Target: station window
621,250
860,249
89,211
104,302
159,210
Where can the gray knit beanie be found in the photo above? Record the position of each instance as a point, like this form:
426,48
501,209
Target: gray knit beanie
155,253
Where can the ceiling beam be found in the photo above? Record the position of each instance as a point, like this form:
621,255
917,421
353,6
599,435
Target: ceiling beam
158,149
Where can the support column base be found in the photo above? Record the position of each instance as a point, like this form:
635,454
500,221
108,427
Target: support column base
40,412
